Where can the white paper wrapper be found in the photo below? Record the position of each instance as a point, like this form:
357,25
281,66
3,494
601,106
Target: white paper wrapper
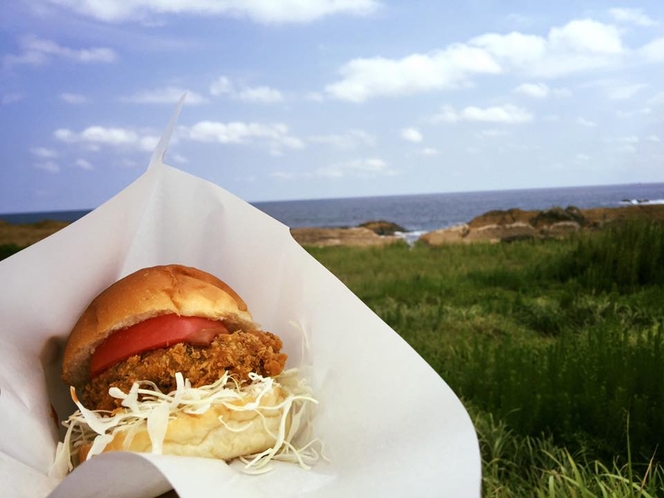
390,424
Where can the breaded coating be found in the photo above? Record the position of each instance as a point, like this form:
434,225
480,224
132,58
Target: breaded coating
239,353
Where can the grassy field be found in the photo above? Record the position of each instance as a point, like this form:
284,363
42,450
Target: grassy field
555,347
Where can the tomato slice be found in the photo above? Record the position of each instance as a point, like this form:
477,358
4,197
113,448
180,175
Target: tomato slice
154,333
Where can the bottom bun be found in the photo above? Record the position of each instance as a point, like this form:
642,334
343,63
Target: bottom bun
220,432
266,420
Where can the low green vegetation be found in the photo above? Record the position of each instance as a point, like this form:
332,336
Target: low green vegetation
555,347
7,250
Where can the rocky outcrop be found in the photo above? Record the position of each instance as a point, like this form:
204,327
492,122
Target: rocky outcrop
355,236
508,231
455,234
500,217
382,227
548,217
516,224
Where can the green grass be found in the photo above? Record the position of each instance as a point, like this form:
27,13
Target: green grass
7,250
624,257
557,346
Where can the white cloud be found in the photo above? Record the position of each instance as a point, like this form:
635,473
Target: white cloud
95,136
44,153
633,16
562,93
98,134
411,135
148,142
644,111
429,151
84,164
283,175
11,98
294,11
276,136
653,51
515,48
535,90
625,92
37,51
658,99
74,98
632,139
447,114
520,20
178,158
49,166
582,157
494,133
370,167
586,35
507,114
314,97
349,140
627,149
585,122
221,86
452,67
165,95
581,45
259,94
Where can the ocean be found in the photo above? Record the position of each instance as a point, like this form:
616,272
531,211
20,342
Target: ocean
424,212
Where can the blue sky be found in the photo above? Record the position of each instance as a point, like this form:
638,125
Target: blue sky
300,99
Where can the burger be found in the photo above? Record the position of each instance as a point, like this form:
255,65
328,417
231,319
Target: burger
169,360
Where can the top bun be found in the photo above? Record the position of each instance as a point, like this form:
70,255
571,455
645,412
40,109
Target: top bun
147,293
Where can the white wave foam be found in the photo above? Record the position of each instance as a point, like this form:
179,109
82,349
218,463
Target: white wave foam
410,237
641,202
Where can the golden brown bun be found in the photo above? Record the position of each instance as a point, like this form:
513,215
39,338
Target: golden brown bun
204,436
144,294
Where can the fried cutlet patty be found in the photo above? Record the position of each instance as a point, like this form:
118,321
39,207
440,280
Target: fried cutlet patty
239,353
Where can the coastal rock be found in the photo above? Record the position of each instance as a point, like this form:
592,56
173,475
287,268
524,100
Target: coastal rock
516,224
508,232
382,227
455,234
326,237
500,217
549,217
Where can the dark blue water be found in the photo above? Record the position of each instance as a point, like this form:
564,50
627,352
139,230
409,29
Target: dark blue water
420,213
426,212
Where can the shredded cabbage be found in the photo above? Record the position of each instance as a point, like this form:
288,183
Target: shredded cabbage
145,406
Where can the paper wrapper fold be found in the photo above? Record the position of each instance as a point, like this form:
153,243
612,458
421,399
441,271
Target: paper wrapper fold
391,425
